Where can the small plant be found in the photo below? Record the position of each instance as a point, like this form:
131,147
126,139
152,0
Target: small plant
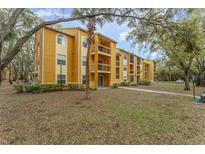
115,85
125,83
19,88
145,82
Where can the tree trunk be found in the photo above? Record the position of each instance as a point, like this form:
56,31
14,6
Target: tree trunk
201,79
91,29
186,76
10,80
170,74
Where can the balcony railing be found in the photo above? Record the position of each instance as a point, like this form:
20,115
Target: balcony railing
92,68
131,78
117,76
103,67
117,63
131,61
104,49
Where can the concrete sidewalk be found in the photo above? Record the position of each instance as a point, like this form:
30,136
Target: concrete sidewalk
157,92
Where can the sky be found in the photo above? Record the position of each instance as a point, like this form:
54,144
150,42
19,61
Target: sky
112,30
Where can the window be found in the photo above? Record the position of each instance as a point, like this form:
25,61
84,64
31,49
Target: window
84,60
84,63
125,57
61,59
84,79
61,40
117,73
117,60
125,67
61,79
131,78
85,42
125,78
100,48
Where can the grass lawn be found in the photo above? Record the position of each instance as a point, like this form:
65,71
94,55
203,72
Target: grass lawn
112,116
172,87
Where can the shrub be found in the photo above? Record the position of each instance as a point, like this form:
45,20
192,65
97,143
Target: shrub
134,84
125,83
39,88
115,85
73,86
51,87
36,88
144,82
19,88
81,87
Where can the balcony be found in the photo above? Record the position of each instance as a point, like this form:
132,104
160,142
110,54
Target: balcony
92,69
132,61
131,71
117,63
131,78
139,61
103,68
117,76
104,50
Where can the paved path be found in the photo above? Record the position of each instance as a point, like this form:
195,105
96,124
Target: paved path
158,92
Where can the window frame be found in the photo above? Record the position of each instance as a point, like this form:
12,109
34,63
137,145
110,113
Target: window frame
83,79
85,42
64,61
59,78
63,40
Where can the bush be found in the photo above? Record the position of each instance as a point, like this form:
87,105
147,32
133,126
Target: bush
36,88
81,87
125,83
115,85
52,87
39,88
134,84
73,86
144,82
19,88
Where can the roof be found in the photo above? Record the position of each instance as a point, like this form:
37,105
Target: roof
58,31
123,50
85,30
80,28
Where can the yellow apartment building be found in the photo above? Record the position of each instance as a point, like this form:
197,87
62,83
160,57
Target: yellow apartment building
61,55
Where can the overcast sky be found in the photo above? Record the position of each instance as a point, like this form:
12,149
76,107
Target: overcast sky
111,30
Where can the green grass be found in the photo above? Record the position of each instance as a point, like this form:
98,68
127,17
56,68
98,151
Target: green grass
112,116
172,87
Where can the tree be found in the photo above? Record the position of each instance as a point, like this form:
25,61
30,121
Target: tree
181,42
91,26
25,20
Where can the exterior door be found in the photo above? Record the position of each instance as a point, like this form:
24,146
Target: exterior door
100,81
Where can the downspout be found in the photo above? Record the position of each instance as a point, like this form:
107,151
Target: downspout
42,74
79,56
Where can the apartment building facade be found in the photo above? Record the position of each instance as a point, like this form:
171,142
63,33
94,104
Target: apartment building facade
61,56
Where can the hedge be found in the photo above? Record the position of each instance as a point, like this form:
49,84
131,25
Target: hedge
40,88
